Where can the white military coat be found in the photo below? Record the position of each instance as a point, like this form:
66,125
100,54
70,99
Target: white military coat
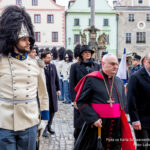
19,83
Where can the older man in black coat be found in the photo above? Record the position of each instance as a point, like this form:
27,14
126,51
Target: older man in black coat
139,104
53,89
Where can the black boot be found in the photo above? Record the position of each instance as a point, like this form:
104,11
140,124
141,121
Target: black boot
50,130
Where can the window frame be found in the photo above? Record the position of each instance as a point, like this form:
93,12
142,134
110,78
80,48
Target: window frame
89,3
131,17
75,22
147,17
47,18
36,39
140,1
128,37
34,4
57,36
35,18
20,3
104,22
75,42
141,38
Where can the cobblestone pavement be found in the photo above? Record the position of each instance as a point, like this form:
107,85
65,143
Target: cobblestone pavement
63,126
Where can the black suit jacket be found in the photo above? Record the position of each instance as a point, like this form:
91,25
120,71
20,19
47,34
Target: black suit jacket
138,96
52,82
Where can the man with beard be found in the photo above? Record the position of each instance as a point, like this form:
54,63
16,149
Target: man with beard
20,78
53,89
100,99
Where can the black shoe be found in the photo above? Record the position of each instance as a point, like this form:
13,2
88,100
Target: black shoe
45,134
51,131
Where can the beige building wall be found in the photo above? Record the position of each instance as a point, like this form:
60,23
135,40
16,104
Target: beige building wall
139,25
134,3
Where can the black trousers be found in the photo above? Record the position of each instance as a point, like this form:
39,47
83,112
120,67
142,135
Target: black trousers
143,139
51,116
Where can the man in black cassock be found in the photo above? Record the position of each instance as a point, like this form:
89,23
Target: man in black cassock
100,102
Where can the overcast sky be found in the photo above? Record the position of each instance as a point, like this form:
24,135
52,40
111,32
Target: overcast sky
65,2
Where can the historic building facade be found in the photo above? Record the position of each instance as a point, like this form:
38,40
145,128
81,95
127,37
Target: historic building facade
78,19
133,26
48,19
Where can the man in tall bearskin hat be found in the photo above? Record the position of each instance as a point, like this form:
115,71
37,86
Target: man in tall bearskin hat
66,72
20,77
61,53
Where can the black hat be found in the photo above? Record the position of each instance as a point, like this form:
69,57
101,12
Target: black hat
85,48
104,53
77,50
69,54
138,57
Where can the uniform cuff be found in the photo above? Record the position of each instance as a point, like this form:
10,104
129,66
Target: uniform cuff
45,115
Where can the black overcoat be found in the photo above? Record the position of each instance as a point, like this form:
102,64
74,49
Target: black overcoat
138,97
78,71
52,82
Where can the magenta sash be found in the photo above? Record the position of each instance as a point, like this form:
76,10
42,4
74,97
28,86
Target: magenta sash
105,111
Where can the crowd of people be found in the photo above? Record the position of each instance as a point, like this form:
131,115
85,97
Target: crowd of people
33,80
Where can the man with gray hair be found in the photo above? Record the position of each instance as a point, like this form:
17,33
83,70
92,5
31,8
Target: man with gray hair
101,100
138,96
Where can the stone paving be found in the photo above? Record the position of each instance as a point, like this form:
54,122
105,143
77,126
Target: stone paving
63,126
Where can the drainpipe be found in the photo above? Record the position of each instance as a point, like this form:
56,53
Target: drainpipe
117,18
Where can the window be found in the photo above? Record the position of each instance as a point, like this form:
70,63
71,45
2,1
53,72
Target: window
89,3
89,22
37,18
50,18
140,37
140,1
105,22
54,36
37,36
128,37
18,2
76,38
148,17
131,17
34,2
76,22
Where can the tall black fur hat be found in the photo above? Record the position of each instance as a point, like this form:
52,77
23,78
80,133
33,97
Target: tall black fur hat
69,54
11,22
36,48
54,53
77,50
61,53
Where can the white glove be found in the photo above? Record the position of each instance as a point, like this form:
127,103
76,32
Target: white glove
42,127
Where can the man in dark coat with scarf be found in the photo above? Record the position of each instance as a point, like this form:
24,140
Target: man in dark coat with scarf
100,99
138,96
53,89
78,70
